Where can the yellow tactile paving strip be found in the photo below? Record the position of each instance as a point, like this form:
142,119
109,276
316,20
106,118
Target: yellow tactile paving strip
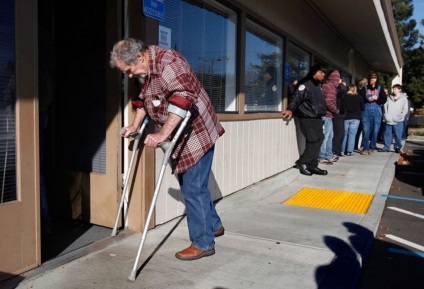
331,200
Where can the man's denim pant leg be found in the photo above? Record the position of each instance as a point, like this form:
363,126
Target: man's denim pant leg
371,121
202,217
393,131
326,151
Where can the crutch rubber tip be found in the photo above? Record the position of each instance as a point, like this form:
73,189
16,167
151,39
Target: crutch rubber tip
132,276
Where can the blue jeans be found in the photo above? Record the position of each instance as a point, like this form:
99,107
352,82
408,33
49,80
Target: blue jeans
326,150
405,128
351,128
391,130
202,218
371,121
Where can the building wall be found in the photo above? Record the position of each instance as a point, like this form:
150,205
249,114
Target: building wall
253,150
248,152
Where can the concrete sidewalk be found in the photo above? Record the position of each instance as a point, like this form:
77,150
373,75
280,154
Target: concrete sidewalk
267,244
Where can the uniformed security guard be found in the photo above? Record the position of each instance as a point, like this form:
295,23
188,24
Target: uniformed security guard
308,104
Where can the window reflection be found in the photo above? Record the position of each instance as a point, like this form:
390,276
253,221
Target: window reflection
263,75
298,63
187,28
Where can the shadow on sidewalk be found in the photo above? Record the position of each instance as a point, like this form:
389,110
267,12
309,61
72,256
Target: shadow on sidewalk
398,262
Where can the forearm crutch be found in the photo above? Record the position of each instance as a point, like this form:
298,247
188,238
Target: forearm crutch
137,135
167,147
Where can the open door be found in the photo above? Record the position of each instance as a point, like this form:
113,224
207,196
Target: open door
83,144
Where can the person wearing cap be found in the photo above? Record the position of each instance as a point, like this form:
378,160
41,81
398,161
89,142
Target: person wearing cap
170,88
374,97
308,104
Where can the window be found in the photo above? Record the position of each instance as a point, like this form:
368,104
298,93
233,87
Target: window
205,34
263,75
7,102
298,62
297,66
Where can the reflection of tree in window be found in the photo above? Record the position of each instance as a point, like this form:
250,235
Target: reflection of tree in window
299,61
263,50
268,62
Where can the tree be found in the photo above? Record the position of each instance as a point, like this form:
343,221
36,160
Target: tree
413,55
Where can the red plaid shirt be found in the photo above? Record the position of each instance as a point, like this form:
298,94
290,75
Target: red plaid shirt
172,80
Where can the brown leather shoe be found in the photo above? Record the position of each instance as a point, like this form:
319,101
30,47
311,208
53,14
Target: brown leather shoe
219,232
193,253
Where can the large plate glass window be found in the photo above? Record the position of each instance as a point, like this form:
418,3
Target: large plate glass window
7,102
263,63
205,34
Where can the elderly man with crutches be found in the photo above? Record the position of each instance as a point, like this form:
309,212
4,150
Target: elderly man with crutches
170,89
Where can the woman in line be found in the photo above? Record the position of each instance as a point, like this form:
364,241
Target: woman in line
352,106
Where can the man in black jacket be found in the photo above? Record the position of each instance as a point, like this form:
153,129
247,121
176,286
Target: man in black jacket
308,104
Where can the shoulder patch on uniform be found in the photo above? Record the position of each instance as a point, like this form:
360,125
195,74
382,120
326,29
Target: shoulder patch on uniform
302,87
274,88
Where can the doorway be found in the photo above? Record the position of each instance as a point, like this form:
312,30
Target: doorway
80,166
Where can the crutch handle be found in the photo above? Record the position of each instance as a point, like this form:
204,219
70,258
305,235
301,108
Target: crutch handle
164,145
136,134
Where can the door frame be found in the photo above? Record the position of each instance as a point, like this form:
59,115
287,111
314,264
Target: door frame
20,250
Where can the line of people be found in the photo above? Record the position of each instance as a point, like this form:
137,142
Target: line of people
333,117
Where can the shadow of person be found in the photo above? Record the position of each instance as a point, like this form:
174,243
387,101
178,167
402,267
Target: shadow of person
361,239
343,270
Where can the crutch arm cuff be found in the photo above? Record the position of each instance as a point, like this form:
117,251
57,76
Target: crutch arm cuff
176,110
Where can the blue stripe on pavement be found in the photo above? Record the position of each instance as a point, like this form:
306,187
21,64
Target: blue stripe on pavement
403,198
406,252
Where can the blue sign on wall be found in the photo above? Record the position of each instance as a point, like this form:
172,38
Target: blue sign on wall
154,9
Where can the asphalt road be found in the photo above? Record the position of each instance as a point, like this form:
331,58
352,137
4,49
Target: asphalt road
397,257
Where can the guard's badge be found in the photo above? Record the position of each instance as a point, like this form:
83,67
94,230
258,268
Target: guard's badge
274,88
301,87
